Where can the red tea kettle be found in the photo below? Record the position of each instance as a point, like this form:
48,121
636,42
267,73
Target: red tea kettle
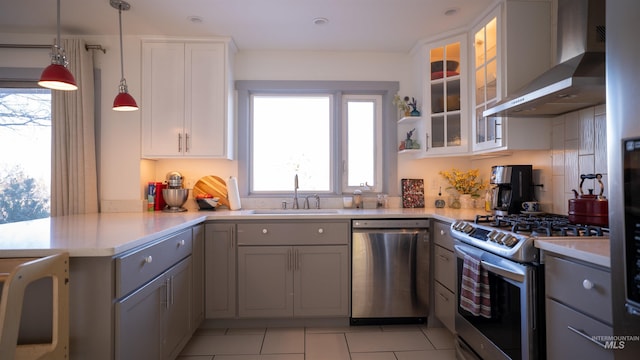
589,209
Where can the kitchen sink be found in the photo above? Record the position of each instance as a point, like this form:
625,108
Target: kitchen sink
293,211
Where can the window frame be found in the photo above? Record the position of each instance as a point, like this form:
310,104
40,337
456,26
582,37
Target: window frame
338,89
378,160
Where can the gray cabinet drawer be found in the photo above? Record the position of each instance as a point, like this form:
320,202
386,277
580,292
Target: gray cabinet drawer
294,233
585,288
444,267
569,334
445,306
141,265
441,235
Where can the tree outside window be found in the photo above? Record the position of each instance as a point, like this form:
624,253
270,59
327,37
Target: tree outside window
25,148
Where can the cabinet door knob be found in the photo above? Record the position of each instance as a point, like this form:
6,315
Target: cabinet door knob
441,232
148,259
320,230
587,284
264,231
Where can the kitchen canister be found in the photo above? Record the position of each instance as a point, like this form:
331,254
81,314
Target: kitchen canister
233,194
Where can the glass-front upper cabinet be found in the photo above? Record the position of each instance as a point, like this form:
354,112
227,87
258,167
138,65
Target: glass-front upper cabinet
511,47
485,59
445,96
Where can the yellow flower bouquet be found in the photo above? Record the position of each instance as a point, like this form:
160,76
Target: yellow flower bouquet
465,182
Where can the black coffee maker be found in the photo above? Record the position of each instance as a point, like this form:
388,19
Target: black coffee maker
511,185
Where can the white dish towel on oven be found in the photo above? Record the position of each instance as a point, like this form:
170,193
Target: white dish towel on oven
474,289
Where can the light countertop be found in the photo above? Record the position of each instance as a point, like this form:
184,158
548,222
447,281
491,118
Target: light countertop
590,249
109,234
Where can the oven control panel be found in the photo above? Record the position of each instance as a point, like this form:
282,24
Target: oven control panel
497,236
502,242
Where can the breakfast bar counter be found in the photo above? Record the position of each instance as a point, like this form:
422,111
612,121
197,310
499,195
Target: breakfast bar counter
109,234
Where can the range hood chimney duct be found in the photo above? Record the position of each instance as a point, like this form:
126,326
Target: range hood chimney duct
578,79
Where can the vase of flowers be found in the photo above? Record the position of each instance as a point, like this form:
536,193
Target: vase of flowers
402,104
408,142
413,106
464,183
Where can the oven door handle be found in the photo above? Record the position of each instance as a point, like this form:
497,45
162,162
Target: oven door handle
494,268
503,271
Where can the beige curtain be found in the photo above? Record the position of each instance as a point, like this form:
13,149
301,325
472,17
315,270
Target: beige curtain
74,188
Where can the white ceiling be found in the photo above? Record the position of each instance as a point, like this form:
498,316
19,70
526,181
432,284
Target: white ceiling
354,25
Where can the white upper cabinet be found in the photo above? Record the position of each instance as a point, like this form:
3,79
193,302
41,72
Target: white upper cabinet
444,79
510,47
187,99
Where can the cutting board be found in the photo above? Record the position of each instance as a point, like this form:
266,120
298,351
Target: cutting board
214,186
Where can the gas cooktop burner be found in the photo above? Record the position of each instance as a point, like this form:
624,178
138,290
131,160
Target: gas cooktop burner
541,225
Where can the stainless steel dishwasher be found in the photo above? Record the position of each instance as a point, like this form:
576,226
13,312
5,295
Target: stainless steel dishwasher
390,271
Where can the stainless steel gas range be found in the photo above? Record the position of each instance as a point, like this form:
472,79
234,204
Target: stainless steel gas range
502,247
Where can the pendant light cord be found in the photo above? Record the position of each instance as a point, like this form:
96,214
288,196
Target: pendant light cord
58,27
121,51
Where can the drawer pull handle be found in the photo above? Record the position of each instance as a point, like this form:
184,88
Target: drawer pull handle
443,297
148,259
320,231
443,257
264,231
587,284
586,336
181,243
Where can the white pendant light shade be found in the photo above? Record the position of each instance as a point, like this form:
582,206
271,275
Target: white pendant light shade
123,101
56,76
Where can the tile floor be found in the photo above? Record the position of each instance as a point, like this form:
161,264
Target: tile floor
392,342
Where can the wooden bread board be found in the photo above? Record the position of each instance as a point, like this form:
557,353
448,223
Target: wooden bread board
214,186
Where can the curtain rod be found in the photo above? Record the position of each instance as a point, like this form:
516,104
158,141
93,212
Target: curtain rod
29,46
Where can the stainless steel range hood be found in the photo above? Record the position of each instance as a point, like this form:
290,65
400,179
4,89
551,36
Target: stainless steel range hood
578,81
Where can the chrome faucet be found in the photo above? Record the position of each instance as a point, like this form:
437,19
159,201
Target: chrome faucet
295,193
305,205
306,201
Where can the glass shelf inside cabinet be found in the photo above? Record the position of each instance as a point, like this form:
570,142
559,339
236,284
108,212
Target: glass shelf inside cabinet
409,119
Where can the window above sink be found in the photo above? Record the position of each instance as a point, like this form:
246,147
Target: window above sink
331,134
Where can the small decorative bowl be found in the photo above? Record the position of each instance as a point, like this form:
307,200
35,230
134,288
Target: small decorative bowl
207,203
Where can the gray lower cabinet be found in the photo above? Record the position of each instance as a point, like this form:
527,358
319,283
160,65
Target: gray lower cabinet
285,281
155,312
578,309
139,322
220,270
444,275
293,269
154,321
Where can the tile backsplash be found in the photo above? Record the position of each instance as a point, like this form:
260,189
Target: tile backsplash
579,146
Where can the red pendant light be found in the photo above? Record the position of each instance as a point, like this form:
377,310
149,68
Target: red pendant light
56,76
123,101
